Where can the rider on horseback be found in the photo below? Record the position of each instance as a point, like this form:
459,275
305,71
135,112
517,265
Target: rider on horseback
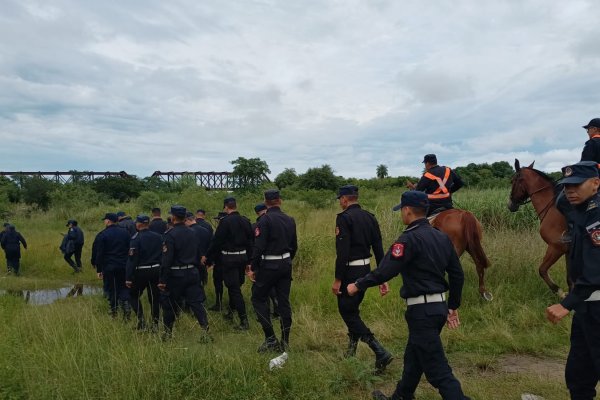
439,182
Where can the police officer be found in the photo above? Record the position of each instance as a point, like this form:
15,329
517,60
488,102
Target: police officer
74,245
2,232
591,149
157,224
423,255
143,266
275,245
582,372
260,210
126,222
112,249
203,235
11,244
180,275
201,220
232,244
217,276
439,182
356,233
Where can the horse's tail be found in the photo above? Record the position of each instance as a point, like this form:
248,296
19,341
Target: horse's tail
474,236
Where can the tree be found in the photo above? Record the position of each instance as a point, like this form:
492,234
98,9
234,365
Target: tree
249,172
36,190
119,188
320,178
286,178
382,171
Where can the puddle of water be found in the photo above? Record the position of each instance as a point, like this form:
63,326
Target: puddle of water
49,296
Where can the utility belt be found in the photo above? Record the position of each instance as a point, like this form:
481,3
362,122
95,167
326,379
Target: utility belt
357,263
595,296
426,298
232,253
189,266
276,256
147,266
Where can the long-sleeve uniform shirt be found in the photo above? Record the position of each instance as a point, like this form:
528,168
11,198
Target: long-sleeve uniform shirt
431,186
591,150
275,234
357,232
423,255
180,248
584,253
11,243
111,248
76,235
145,249
233,234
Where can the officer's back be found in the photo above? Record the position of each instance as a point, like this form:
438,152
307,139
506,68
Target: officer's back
185,246
276,233
113,246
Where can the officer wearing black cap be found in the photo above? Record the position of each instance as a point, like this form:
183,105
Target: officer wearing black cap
11,244
126,222
204,236
157,224
423,255
356,233
260,209
591,149
73,245
217,276
2,232
180,274
143,266
112,249
439,182
201,220
582,373
232,245
275,245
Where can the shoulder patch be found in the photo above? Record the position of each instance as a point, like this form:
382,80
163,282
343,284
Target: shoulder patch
595,236
397,250
256,232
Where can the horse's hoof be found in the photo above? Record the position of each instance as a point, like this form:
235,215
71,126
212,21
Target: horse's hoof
487,296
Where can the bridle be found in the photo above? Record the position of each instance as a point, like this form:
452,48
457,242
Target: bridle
542,214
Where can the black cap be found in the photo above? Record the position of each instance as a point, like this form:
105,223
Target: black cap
120,214
111,217
200,210
259,207
189,214
580,172
228,200
272,194
71,222
142,219
430,158
347,190
6,224
178,211
413,198
595,123
220,215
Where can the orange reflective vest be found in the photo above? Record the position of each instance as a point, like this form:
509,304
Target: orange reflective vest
442,191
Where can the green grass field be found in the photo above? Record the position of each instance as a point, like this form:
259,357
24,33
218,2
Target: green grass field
72,349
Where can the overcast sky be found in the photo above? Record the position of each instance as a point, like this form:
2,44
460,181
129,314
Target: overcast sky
191,85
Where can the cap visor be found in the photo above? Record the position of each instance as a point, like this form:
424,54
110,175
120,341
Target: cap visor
396,208
572,180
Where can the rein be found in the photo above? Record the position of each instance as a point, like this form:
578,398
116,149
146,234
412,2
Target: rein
542,214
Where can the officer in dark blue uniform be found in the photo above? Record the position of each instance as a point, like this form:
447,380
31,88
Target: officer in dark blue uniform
591,149
201,220
356,233
260,210
2,232
582,373
143,266
112,249
275,245
439,182
180,274
423,255
75,237
11,244
232,244
126,222
217,277
157,224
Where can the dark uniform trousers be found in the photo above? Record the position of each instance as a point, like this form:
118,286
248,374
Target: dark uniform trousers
233,266
77,254
114,279
583,363
275,274
424,353
218,281
146,279
348,306
182,285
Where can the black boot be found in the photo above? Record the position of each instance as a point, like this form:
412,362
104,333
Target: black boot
377,395
352,344
382,356
126,306
244,325
270,344
141,325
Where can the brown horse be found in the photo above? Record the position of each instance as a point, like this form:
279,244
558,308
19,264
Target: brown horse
466,234
529,183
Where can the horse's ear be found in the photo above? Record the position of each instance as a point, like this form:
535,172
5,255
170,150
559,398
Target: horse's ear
517,165
531,165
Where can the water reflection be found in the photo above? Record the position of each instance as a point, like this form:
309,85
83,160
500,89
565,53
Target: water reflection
49,296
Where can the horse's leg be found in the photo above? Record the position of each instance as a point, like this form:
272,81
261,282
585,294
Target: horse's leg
480,267
552,255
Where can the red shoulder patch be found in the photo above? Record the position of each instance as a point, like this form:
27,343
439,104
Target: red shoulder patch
595,236
257,232
397,250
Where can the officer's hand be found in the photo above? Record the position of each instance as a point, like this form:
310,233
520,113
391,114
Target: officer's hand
410,185
352,289
335,287
203,260
556,312
129,284
100,275
162,287
250,274
452,322
384,289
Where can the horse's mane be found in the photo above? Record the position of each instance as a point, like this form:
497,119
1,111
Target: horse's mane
544,175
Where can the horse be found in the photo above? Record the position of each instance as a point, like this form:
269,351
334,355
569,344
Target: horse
531,185
466,233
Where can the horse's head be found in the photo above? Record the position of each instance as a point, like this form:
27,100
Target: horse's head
518,191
